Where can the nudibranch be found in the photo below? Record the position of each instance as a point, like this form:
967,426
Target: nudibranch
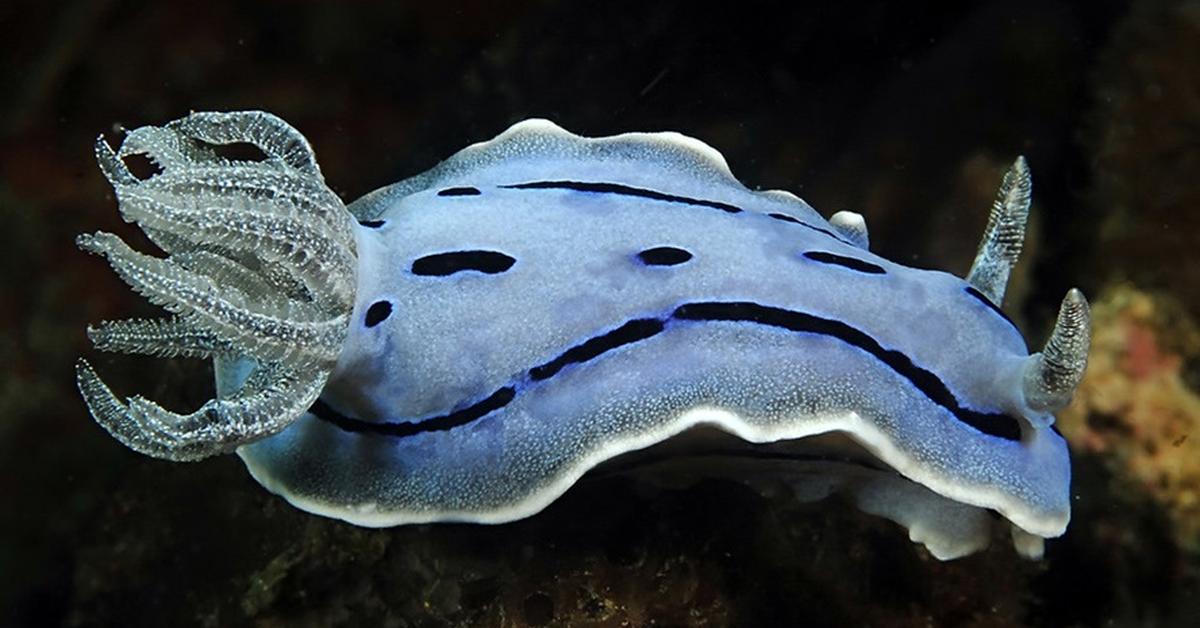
463,345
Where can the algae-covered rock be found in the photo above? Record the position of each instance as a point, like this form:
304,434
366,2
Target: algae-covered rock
1135,408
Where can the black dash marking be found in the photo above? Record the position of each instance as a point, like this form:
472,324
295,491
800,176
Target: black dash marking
849,262
797,221
477,410
633,331
995,424
459,192
442,264
378,311
373,224
988,302
664,256
625,190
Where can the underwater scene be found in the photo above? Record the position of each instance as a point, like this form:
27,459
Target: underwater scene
600,314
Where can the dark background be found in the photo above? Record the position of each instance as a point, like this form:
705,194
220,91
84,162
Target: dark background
905,112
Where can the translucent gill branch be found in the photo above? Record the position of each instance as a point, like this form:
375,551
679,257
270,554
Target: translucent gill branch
268,132
228,313
161,337
261,263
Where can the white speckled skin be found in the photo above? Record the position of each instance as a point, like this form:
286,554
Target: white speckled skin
451,341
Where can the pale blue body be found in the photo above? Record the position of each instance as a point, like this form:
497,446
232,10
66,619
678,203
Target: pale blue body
451,341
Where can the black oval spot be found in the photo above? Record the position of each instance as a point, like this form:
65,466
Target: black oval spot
852,263
664,256
378,311
442,264
373,224
459,192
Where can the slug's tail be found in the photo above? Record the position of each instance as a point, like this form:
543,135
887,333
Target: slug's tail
260,264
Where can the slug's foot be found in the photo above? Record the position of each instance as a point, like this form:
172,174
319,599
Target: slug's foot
260,264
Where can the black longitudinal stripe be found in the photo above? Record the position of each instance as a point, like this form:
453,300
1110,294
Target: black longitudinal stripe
988,302
451,420
847,262
633,331
442,264
995,424
373,224
617,188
